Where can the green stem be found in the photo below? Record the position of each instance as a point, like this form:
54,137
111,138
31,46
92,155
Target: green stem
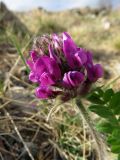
99,143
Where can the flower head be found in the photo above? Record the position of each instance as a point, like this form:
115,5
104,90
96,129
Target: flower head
58,65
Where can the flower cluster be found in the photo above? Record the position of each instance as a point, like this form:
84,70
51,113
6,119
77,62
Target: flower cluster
59,66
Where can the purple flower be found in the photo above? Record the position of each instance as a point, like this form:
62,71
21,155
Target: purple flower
94,72
34,55
53,55
57,42
44,92
44,71
75,56
56,62
73,79
33,77
80,57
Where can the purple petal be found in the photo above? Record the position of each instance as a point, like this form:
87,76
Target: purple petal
98,70
66,35
46,79
34,55
30,64
57,42
95,72
73,79
55,37
89,62
68,45
81,58
53,56
48,65
43,92
69,49
90,67
33,77
40,66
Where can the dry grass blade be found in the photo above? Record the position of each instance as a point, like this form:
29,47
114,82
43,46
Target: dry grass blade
13,100
84,134
53,110
6,103
50,113
11,72
1,149
112,82
7,81
19,135
57,148
1,156
27,84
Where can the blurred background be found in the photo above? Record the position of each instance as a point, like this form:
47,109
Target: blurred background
94,25
53,5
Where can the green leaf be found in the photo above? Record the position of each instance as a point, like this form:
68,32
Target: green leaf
113,141
108,94
115,103
105,127
115,149
102,111
95,98
116,132
119,157
99,91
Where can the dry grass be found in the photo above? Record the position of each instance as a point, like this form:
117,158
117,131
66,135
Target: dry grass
25,132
